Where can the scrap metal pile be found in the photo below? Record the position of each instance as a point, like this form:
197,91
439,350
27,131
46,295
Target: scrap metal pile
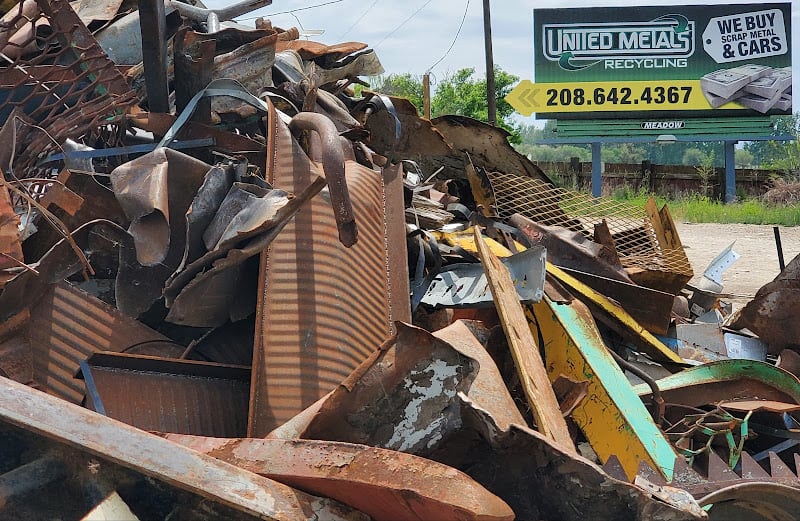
275,299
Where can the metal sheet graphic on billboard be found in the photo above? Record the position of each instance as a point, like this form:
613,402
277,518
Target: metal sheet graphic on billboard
690,60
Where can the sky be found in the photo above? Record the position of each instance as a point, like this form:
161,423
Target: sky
430,27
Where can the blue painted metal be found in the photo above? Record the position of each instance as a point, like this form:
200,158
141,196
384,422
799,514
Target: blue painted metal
730,172
597,174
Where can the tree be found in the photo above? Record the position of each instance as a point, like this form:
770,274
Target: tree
464,95
771,154
460,94
401,85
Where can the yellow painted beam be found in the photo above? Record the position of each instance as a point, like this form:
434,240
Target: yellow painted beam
611,416
648,343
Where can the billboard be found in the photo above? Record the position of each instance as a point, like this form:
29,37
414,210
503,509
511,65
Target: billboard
680,61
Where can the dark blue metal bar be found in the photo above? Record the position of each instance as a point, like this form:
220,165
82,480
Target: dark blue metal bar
597,173
132,149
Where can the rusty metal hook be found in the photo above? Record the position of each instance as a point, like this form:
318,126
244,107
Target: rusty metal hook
332,156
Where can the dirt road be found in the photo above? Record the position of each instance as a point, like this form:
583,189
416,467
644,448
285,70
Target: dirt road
756,245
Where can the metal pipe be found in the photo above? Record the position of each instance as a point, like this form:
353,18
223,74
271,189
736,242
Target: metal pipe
153,23
332,156
487,42
223,13
781,261
658,400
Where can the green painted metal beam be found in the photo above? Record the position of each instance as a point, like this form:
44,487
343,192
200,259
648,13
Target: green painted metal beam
612,416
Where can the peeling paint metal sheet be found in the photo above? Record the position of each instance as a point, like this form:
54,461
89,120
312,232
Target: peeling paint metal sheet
400,398
465,285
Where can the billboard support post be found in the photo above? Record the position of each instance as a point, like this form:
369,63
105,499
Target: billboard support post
730,171
597,173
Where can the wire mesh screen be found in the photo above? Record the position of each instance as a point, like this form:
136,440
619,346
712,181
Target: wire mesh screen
55,81
630,226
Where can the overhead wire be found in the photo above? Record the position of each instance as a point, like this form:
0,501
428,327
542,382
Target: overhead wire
290,11
359,19
458,32
423,6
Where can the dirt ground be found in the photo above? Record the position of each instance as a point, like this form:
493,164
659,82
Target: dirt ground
758,263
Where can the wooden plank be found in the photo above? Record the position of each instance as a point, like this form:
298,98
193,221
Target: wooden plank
655,219
670,230
525,352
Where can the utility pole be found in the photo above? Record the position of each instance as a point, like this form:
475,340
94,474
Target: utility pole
426,95
487,39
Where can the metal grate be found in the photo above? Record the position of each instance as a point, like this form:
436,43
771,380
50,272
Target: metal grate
55,77
630,225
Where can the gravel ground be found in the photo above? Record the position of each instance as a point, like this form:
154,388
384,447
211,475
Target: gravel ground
755,243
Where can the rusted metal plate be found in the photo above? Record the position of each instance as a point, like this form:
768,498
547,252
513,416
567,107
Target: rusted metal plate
400,398
387,485
540,480
16,361
486,145
650,308
570,249
752,502
488,390
67,326
113,442
323,308
309,50
183,396
772,312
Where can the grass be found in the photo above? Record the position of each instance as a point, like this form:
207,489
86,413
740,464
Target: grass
699,209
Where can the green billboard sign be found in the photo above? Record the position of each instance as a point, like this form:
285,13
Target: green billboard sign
678,61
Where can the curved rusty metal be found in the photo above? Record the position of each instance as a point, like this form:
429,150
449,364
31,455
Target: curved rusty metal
332,156
385,484
727,380
753,501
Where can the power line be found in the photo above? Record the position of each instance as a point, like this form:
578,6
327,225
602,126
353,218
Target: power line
454,39
359,19
423,6
290,11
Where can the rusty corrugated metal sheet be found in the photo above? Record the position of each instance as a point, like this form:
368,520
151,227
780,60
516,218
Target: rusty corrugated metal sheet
323,308
67,326
183,396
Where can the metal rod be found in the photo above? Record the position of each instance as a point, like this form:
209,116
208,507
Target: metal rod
781,261
487,41
153,23
223,13
658,400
